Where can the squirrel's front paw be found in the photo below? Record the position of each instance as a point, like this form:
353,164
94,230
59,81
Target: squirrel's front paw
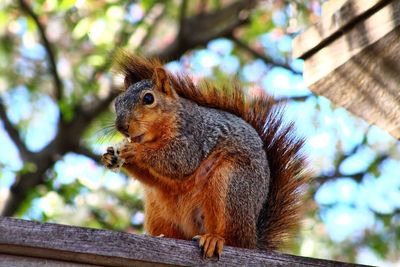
111,159
210,244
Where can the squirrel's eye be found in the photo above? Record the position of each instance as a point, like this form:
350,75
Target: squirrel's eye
148,99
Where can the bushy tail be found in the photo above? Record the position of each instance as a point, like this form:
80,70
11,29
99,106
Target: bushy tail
281,212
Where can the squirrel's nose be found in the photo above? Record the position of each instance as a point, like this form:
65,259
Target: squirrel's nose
122,127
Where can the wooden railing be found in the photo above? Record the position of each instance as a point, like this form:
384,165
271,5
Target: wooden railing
28,243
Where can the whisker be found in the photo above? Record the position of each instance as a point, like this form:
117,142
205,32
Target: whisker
105,134
105,129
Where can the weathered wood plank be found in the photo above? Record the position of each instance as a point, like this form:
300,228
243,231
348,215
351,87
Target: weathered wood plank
360,37
18,261
337,17
360,70
110,248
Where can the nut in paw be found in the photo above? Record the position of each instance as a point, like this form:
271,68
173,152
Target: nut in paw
111,160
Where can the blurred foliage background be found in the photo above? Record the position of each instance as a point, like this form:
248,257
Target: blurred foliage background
56,114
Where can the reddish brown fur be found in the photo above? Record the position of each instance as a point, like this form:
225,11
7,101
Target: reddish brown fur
281,214
179,198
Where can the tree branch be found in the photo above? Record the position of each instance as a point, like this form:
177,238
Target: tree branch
26,181
336,175
182,15
263,57
358,176
293,98
13,133
58,86
205,27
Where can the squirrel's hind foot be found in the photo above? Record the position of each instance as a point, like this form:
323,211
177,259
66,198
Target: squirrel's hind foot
210,244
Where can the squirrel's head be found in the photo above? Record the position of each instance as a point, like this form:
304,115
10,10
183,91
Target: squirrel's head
145,111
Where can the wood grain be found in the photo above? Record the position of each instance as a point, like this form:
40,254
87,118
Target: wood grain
45,241
337,17
360,70
361,37
18,261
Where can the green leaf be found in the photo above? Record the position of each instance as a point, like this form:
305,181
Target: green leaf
28,167
96,60
66,4
82,28
4,20
260,23
66,110
147,4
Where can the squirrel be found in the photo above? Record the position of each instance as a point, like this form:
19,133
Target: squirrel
216,164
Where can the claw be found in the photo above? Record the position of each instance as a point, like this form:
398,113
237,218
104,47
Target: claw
220,246
210,244
196,238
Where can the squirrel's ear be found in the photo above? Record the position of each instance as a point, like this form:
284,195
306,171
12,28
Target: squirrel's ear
127,82
162,82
